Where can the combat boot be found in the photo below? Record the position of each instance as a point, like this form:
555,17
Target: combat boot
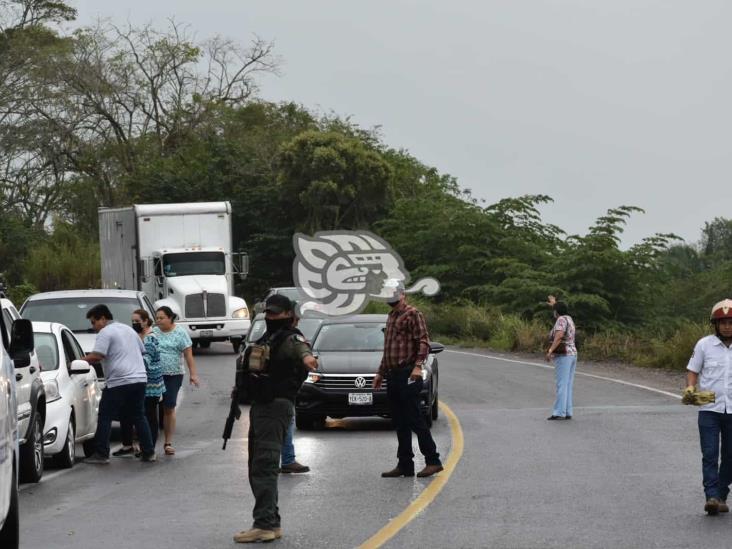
254,535
723,507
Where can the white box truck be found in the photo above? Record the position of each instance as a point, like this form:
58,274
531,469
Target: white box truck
181,256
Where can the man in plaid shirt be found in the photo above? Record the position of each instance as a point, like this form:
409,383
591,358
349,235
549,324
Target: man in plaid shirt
406,346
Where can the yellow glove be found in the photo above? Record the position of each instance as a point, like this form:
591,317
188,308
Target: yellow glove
704,397
697,398
687,397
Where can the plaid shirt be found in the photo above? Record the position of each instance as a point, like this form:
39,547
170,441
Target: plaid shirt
406,339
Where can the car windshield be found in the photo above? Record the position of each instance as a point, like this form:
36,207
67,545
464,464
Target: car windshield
257,329
308,327
290,293
71,311
198,263
366,336
46,350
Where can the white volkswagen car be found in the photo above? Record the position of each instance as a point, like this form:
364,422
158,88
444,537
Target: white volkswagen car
72,393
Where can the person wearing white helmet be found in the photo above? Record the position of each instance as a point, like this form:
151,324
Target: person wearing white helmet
710,367
406,346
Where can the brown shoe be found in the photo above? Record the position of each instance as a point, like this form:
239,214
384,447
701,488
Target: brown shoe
254,535
397,472
294,467
278,532
723,507
712,506
430,470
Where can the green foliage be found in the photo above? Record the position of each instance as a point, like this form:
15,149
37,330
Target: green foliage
19,293
64,261
332,181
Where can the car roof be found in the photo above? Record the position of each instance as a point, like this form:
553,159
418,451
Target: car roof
46,327
355,319
61,294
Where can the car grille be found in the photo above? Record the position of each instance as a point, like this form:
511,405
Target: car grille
332,382
216,306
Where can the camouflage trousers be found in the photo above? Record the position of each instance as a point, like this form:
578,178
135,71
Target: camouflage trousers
268,424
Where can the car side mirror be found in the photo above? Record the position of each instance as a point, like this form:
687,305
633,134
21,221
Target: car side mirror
436,347
22,342
79,367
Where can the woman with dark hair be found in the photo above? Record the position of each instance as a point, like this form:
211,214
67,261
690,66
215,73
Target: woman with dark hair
175,346
155,387
563,352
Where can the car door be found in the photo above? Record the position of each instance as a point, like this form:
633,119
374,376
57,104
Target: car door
93,389
23,376
78,382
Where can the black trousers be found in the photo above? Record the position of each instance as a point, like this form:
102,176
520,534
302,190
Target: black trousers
151,413
407,418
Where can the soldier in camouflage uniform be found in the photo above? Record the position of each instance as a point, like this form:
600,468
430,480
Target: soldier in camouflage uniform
269,418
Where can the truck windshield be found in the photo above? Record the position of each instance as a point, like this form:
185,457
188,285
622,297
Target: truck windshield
194,263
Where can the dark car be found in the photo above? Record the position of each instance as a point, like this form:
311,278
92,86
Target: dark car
349,352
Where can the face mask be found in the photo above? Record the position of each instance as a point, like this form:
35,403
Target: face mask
137,327
276,325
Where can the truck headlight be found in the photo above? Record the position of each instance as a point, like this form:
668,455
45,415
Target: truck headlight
241,313
52,392
313,377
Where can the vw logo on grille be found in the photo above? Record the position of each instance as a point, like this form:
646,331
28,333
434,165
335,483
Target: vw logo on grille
360,382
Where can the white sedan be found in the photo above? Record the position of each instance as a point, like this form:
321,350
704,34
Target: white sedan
72,393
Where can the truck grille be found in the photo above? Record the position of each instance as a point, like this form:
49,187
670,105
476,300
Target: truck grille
332,382
195,306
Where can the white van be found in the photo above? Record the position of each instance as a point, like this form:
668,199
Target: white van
15,350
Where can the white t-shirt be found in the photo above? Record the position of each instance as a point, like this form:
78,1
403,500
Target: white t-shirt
712,360
122,349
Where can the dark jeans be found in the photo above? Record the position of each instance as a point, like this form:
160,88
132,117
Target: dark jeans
268,424
715,429
151,414
407,418
125,401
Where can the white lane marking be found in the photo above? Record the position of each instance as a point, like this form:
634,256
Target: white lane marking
45,478
536,364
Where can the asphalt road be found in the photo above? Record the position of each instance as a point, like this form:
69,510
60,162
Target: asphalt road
625,472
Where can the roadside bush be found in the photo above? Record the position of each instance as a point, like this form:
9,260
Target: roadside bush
64,261
19,293
673,352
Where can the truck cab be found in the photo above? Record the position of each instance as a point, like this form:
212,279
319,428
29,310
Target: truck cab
197,284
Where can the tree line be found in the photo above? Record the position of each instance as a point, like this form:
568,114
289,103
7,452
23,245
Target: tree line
111,116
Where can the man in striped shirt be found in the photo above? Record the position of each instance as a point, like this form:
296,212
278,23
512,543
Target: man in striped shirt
406,346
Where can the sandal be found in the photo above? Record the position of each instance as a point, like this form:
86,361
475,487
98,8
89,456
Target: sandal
169,450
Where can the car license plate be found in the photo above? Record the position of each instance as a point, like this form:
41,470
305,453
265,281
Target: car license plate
206,333
359,399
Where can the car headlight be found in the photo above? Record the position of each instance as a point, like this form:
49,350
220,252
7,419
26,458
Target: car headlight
241,313
52,392
424,374
313,377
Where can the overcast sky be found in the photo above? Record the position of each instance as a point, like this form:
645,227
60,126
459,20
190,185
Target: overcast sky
596,103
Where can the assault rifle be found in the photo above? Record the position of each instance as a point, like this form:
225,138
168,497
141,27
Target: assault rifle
234,414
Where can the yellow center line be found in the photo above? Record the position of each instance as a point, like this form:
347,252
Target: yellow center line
427,495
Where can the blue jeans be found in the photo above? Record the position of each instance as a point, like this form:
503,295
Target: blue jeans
716,428
564,367
125,401
288,446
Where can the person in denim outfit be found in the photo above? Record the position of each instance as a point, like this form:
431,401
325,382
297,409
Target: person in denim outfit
564,358
710,366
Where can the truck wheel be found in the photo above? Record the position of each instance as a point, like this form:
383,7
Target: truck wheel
10,532
204,343
31,453
67,457
236,344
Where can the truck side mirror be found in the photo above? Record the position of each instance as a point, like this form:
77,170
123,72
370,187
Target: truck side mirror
242,265
21,342
143,268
